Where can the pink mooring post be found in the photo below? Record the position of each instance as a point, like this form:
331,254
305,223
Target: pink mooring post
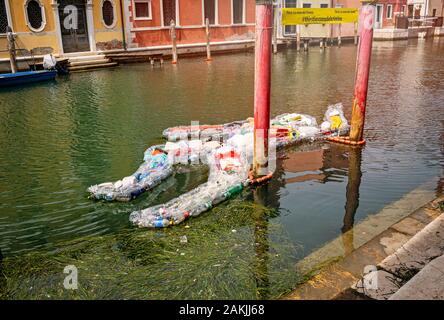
366,20
262,84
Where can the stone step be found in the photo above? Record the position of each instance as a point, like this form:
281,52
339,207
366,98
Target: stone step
427,284
87,58
407,262
88,62
78,54
93,66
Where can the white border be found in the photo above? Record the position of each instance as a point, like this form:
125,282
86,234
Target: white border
177,20
216,13
391,11
177,13
150,17
55,9
161,13
113,3
42,9
381,23
90,25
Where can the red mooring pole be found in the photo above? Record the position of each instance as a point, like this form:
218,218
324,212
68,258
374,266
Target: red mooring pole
366,20
262,84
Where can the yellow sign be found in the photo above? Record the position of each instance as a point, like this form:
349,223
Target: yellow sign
292,16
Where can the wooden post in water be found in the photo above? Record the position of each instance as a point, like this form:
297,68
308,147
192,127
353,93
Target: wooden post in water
339,35
207,31
366,20
173,40
262,85
356,33
306,44
352,197
298,39
11,49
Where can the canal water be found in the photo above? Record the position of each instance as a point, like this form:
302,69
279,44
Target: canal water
58,138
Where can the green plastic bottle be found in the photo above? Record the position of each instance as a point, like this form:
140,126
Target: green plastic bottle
234,190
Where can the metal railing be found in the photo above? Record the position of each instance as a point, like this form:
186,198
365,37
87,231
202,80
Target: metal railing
424,21
404,22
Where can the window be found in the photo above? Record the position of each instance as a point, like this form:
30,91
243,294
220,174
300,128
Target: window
417,13
290,4
238,11
403,10
379,15
324,5
290,29
434,13
4,22
410,9
108,13
306,5
35,15
210,11
142,9
169,11
389,11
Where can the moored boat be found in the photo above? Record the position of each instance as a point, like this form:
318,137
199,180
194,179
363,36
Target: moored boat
24,77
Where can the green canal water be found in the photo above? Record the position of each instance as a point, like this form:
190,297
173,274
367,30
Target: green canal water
58,138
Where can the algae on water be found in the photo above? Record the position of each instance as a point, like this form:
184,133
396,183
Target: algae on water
255,262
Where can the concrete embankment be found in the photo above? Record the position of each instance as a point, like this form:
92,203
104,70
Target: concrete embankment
338,266
414,271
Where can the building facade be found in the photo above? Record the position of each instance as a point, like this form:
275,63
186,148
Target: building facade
435,8
149,21
386,12
62,26
72,26
416,8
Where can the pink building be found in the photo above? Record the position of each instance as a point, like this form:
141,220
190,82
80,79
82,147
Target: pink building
387,10
148,21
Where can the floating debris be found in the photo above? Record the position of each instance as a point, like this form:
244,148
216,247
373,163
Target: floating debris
229,163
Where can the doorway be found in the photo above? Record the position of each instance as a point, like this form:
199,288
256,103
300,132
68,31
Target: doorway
378,16
73,26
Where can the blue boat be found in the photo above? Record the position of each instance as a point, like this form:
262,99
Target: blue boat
19,78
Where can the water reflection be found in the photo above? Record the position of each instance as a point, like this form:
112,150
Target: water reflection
352,196
321,163
261,245
59,138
